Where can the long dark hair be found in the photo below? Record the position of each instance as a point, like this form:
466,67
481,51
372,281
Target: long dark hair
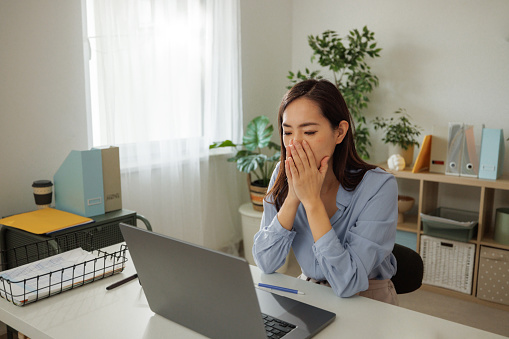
347,165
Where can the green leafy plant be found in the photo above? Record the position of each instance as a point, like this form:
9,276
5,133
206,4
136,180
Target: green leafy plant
352,74
250,157
398,131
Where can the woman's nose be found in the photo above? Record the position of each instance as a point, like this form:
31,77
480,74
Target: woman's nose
298,137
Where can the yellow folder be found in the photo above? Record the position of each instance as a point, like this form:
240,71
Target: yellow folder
45,220
424,156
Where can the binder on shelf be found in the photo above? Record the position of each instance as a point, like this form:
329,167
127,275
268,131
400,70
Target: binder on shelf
469,158
492,153
454,148
423,158
79,184
438,154
111,178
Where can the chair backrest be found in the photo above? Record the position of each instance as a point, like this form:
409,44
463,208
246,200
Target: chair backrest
408,278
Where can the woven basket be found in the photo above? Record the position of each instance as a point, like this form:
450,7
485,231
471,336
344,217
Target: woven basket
447,263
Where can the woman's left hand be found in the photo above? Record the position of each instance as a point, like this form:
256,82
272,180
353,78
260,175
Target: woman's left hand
306,177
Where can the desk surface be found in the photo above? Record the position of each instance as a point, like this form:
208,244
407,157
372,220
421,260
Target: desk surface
92,312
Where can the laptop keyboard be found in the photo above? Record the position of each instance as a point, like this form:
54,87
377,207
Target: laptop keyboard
276,328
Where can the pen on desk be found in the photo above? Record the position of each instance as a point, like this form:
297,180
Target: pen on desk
279,288
121,282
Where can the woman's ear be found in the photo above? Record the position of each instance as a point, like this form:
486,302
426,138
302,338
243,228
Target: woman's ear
342,130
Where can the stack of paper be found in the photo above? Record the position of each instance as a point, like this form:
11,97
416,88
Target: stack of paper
53,275
45,220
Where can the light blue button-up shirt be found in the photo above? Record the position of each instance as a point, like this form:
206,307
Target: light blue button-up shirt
357,249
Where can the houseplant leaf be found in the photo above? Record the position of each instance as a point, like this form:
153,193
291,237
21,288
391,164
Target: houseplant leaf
250,162
226,143
258,133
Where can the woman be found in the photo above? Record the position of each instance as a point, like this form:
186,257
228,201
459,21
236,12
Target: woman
337,212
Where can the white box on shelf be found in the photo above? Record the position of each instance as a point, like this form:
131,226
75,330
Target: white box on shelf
448,263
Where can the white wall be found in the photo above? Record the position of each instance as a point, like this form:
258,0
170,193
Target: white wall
42,94
444,61
266,27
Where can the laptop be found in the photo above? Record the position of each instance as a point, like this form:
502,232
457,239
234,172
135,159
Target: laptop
213,293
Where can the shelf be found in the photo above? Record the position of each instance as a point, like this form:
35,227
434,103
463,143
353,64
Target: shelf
488,241
409,225
427,188
500,183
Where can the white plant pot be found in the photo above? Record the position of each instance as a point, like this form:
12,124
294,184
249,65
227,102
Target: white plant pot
407,154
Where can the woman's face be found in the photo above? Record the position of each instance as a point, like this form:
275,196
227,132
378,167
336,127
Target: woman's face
303,120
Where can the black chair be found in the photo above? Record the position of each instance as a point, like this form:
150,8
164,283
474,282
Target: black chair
408,278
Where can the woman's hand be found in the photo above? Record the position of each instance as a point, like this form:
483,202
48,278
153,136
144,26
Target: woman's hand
307,180
291,197
304,178
286,214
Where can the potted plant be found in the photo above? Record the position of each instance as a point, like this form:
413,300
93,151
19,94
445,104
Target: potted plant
257,155
400,133
352,75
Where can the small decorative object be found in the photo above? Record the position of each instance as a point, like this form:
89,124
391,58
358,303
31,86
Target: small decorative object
396,162
400,134
251,160
43,192
405,204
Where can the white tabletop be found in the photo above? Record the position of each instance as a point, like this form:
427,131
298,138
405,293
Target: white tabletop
91,311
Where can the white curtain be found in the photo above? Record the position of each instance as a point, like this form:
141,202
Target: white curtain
165,83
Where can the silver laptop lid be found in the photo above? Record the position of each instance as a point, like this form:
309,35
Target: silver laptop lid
200,290
211,292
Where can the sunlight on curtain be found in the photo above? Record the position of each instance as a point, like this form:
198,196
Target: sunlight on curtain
165,83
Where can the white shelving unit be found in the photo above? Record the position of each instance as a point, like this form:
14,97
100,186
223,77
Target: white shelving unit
428,195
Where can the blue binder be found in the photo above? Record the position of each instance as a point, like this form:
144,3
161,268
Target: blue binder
79,184
492,153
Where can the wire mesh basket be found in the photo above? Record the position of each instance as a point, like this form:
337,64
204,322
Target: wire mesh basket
40,270
447,263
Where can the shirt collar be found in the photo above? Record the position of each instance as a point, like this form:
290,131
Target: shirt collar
343,198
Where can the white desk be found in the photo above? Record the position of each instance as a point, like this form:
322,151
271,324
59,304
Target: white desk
92,312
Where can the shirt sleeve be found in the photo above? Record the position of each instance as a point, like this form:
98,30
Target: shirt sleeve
367,245
272,243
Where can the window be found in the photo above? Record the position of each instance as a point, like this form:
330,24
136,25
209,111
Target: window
164,70
165,83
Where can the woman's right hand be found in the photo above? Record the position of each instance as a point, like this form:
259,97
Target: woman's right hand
292,197
286,214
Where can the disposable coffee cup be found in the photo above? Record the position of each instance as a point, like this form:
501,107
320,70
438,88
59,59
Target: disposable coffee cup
43,192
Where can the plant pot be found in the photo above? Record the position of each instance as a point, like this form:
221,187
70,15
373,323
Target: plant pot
405,204
407,154
257,194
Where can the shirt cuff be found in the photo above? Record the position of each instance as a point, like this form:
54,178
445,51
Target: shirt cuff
328,240
278,229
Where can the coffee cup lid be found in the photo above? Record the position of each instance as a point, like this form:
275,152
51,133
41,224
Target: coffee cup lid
42,183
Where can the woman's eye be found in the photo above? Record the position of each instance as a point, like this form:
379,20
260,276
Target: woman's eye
287,133
310,132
